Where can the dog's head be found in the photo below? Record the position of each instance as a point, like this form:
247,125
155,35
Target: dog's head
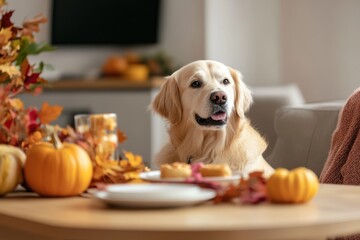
204,93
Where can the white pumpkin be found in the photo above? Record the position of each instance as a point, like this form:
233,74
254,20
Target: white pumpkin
12,160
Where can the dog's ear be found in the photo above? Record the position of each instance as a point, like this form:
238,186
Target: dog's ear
243,97
167,102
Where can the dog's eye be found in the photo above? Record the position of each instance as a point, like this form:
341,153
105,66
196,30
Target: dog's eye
196,84
226,81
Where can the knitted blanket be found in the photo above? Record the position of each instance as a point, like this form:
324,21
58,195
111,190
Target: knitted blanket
343,163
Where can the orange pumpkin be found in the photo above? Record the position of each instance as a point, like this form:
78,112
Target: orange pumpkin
115,66
58,170
296,186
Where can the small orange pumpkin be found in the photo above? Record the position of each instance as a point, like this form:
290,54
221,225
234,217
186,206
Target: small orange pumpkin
296,186
58,169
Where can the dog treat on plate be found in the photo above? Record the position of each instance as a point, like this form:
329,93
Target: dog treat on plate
175,170
215,170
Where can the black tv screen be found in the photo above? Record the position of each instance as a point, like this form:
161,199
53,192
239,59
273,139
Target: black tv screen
114,22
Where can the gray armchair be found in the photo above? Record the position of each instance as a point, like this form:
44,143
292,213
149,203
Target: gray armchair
304,135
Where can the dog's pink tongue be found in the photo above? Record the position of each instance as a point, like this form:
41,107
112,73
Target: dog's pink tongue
218,116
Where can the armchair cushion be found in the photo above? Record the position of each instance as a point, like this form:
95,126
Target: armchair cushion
304,135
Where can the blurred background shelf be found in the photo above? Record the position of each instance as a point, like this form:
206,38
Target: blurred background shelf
103,84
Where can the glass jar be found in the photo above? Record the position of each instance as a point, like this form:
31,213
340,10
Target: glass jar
101,128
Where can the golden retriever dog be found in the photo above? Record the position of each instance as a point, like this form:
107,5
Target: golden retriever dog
205,104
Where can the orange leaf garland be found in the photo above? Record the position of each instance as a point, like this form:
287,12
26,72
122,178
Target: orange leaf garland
49,113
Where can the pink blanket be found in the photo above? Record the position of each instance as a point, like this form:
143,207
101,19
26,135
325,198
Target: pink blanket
343,163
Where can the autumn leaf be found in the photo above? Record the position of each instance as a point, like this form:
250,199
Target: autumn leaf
134,160
10,70
5,20
131,175
123,163
16,104
121,136
17,81
49,113
5,35
249,191
25,67
32,25
32,123
3,77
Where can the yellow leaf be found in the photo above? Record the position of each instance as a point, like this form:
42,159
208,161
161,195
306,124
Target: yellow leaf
5,35
131,175
16,104
10,70
17,81
98,173
134,160
49,113
123,163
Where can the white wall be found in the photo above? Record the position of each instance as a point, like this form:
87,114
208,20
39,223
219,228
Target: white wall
244,34
321,47
313,43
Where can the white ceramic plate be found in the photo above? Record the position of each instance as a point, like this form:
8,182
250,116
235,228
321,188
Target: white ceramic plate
151,191
154,176
160,201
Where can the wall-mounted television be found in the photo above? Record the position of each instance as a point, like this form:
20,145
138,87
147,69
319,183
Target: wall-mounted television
105,22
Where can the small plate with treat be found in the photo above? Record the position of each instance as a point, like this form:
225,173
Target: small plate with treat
182,172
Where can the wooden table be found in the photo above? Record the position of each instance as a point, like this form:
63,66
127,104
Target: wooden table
334,211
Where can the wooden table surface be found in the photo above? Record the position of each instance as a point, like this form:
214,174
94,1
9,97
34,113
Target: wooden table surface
334,211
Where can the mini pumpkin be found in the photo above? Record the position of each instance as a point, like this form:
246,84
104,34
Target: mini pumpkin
296,186
12,160
58,169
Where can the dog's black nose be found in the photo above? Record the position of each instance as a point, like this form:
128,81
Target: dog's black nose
218,98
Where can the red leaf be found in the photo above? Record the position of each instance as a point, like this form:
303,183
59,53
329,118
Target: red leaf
33,114
31,79
32,120
8,123
5,20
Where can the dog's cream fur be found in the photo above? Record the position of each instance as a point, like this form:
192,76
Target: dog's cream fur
235,143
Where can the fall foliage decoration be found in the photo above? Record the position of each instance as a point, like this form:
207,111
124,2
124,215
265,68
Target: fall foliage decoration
283,186
124,168
250,190
17,75
28,127
58,169
296,186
